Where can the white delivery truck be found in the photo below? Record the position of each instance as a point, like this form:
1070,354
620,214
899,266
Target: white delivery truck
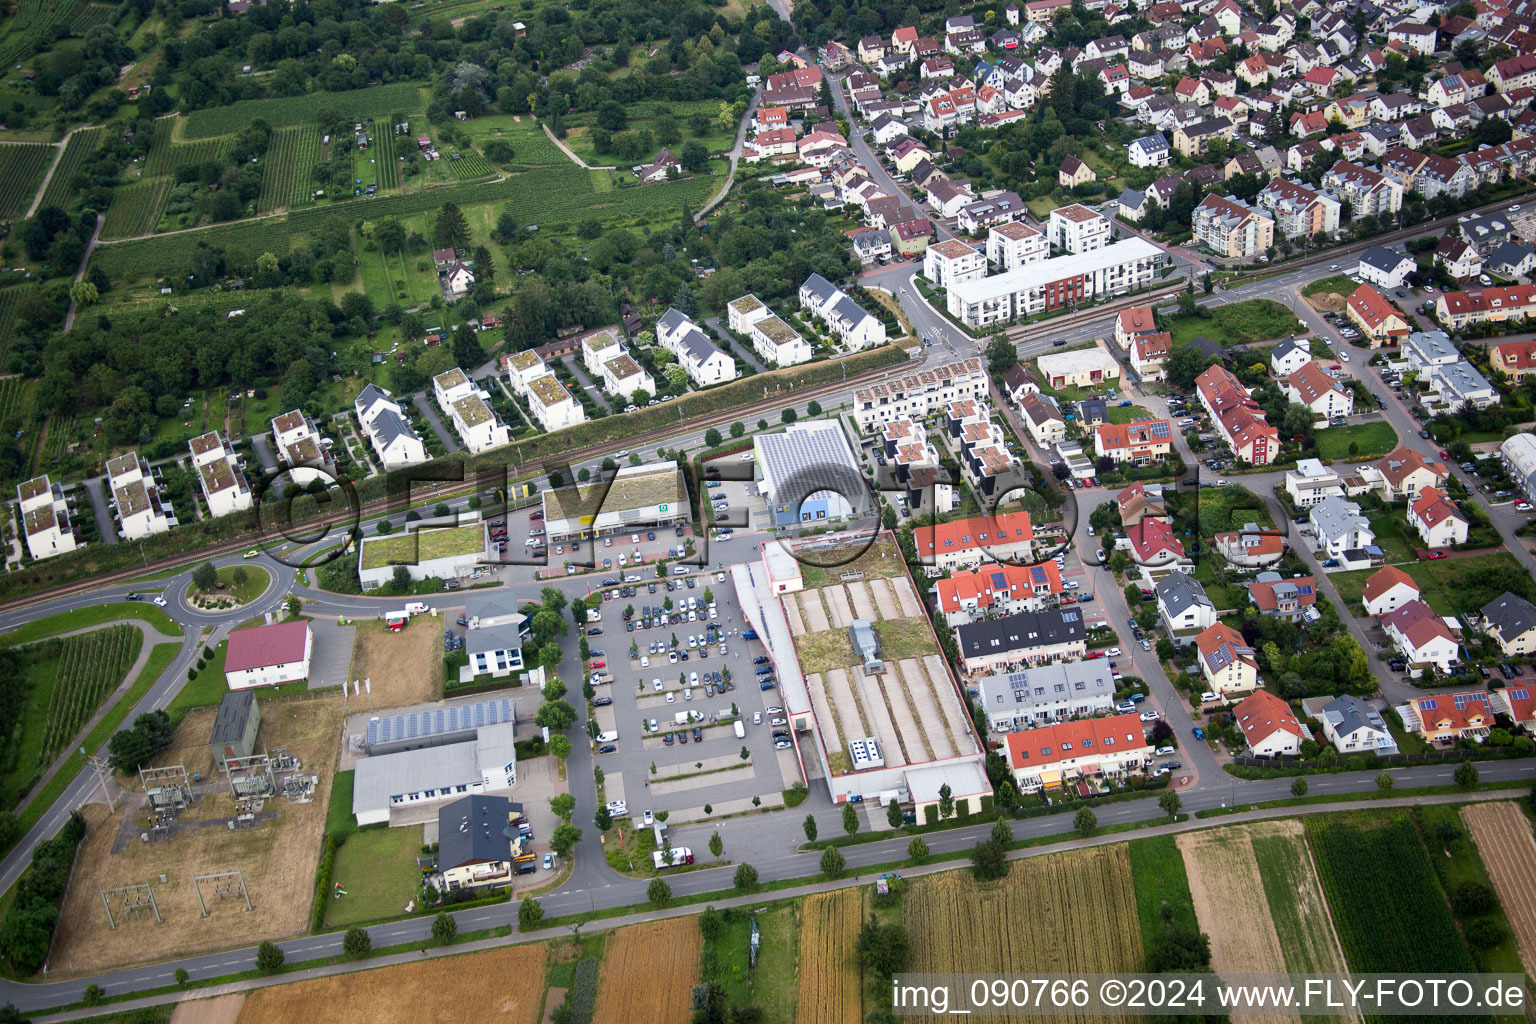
416,607
741,730
608,737
680,855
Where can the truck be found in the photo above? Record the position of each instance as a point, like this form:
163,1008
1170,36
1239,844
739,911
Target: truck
416,608
395,621
680,855
741,730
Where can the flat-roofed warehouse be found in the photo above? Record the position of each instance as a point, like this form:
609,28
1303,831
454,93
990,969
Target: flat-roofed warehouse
809,474
638,496
427,553
430,754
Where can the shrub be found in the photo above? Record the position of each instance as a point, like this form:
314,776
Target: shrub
356,943
833,863
268,957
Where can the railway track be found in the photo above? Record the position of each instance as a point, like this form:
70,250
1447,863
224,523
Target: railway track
397,503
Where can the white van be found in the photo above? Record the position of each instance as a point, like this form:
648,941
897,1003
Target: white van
607,737
741,730
679,570
416,607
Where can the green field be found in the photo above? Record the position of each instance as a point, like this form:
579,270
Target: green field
1237,323
9,299
1127,414
1230,508
94,615
377,101
1371,439
1450,586
61,188
378,868
1303,929
166,155
1159,876
21,168
285,178
1339,284
1460,861
1387,904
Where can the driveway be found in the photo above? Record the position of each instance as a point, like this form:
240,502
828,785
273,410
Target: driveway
331,659
429,413
96,487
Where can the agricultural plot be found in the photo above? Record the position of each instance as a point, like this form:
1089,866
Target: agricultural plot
503,986
61,187
1386,900
92,16
32,27
15,399
136,208
375,102
9,299
285,173
169,254
165,156
469,166
1503,837
389,167
1296,903
20,168
90,666
831,987
648,971
1065,913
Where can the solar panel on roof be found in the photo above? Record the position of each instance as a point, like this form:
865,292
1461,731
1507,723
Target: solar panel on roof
1428,704
1161,430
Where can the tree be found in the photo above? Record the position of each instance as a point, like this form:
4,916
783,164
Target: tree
833,863
745,879
268,957
444,929
83,293
1085,822
1469,899
1299,787
946,801
809,824
1001,833
182,977
529,914
94,994
917,849
356,943
738,428
1002,356
1170,803
695,156
450,229
400,578
1466,775
564,838
564,805
882,948
557,715
1385,782
850,819
716,845
893,814
560,746
989,860
712,438
602,819
658,893
205,577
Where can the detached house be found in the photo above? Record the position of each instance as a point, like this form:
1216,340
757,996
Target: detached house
1351,725
1448,718
1421,636
1291,598
1439,522
1405,474
1510,620
1377,318
1269,726
1388,589
1326,397
1227,663
1183,606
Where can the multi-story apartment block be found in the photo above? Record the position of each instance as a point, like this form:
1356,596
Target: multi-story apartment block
1117,269
951,261
1014,245
1078,229
919,395
140,511
1232,229
301,449
224,486
469,409
45,518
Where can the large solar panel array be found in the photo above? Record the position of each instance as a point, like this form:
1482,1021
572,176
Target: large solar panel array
811,461
415,724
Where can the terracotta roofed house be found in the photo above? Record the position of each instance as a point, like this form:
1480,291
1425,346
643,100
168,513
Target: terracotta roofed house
1269,726
1388,589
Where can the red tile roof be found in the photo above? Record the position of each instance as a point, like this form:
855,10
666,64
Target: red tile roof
990,583
1383,580
1262,714
1038,748
976,533
266,646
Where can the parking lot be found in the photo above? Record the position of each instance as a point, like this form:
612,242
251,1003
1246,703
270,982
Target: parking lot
702,763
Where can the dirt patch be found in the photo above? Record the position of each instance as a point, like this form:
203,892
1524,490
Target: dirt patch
1328,302
552,1002
648,971
1503,837
1230,904
278,858
218,1010
405,667
502,985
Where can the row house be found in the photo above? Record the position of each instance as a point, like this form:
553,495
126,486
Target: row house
854,326
1236,416
993,589
705,363
395,442
918,395
988,212
1027,638
1458,310
1054,757
1009,537
1050,693
1462,87
1193,141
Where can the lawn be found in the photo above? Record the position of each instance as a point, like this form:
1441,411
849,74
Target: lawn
1371,440
1237,323
1157,869
96,615
378,868
1449,585
1126,414
1230,508
1394,537
1337,283
905,638
210,687
256,582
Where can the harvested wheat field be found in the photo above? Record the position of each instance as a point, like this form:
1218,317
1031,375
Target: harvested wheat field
405,667
830,982
1231,905
1062,913
648,971
1503,837
278,858
218,1010
504,985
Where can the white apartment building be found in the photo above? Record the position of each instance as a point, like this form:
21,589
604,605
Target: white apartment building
1011,246
702,358
523,368
469,407
1117,269
300,447
856,328
597,349
1078,229
45,518
1312,482
224,486
140,512
742,313
394,441
951,261
916,396
552,405
621,375
778,343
